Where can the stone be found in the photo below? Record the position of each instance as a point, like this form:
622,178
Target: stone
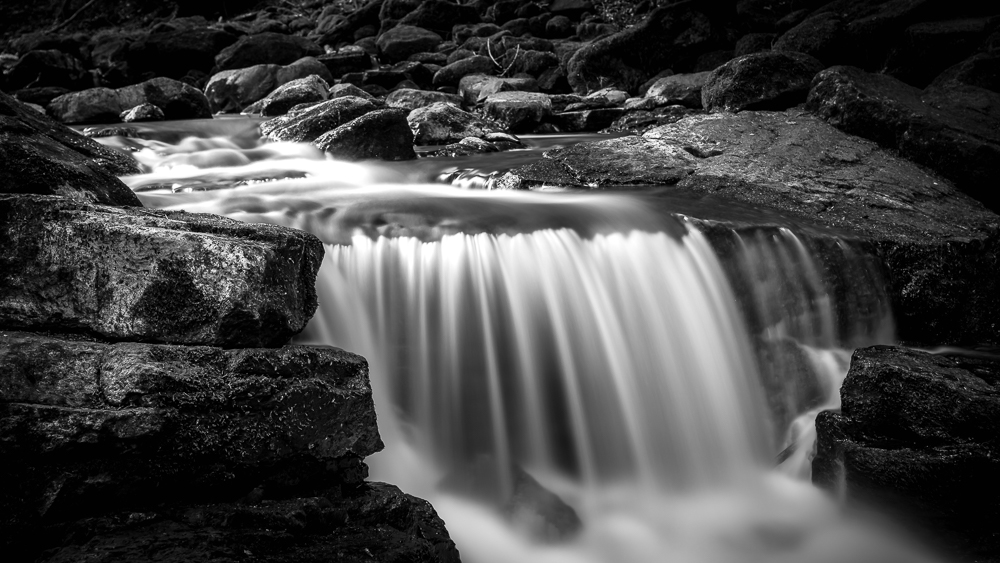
772,80
682,89
958,142
47,68
94,105
345,89
382,134
461,32
981,70
265,48
572,9
124,273
586,120
402,41
411,99
143,112
939,247
822,36
306,126
451,74
174,53
517,27
441,123
528,62
589,31
232,90
440,16
40,156
346,59
518,111
475,88
917,435
926,49
559,27
40,96
754,43
343,32
177,99
300,91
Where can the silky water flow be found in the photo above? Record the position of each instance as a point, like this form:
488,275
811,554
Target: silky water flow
659,373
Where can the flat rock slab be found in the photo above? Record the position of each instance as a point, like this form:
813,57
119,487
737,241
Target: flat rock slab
150,276
941,248
89,427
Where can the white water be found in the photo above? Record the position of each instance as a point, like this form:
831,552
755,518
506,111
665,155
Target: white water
605,350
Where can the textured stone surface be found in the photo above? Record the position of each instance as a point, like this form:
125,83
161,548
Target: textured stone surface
40,156
93,105
177,99
518,111
381,134
233,90
772,80
307,125
682,89
265,48
442,122
300,91
135,274
402,41
411,98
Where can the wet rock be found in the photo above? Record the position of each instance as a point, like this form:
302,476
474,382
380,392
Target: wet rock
441,123
461,32
518,111
346,89
47,68
232,90
346,59
670,37
402,41
440,16
517,27
177,99
411,99
265,48
94,105
475,88
40,156
773,80
300,91
174,53
415,72
822,36
917,436
135,274
451,74
306,126
682,89
960,142
143,112
439,59
382,134
754,43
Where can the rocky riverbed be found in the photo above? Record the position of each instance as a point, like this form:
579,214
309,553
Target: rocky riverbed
145,354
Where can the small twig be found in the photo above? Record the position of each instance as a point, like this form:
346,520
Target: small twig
59,26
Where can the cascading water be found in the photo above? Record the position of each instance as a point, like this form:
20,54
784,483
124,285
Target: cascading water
646,367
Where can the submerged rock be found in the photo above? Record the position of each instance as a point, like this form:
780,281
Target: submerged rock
152,276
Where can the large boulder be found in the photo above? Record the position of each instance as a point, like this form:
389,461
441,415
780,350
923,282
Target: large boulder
941,249
232,90
402,41
266,48
151,276
451,74
382,134
953,130
441,123
93,105
177,99
40,156
175,53
518,111
310,89
917,435
306,125
772,80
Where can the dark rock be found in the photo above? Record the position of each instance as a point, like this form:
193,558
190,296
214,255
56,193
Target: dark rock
411,99
441,123
306,126
232,90
457,55
773,80
174,53
402,41
518,111
517,27
503,11
347,59
589,31
40,96
40,156
283,98
394,10
382,134
475,88
762,15
37,69
439,59
94,105
960,143
640,121
135,274
712,60
383,78
177,99
440,16
529,62
143,112
461,32
822,36
670,37
265,48
572,9
498,46
342,32
754,43
345,89
586,120
451,75
981,70
927,49
559,27
683,89
917,436
415,72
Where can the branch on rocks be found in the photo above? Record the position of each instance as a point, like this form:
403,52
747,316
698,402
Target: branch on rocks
503,70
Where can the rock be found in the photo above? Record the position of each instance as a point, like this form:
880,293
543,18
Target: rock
346,59
670,37
149,276
382,134
440,16
475,88
411,99
40,96
47,68
927,49
441,123
402,41
639,121
415,72
94,105
981,70
822,36
960,143
559,27
232,90
517,27
529,62
368,14
306,126
300,91
177,99
917,436
143,112
754,43
174,53
345,89
503,11
451,74
461,32
439,59
571,8
39,156
773,80
938,246
265,48
589,31
518,111
586,120
395,10
682,89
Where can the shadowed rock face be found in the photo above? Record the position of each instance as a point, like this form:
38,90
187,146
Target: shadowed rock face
917,434
127,274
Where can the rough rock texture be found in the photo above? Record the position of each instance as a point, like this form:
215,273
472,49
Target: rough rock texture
411,99
307,125
476,64
40,156
475,88
93,105
518,111
382,134
442,122
142,112
402,41
150,276
771,80
953,130
682,89
233,90
175,53
300,91
939,246
265,48
177,99
917,434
